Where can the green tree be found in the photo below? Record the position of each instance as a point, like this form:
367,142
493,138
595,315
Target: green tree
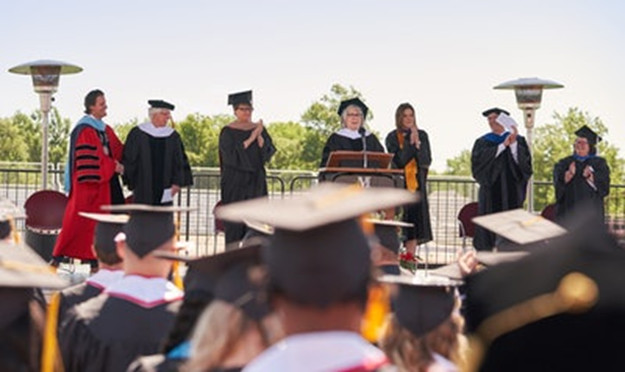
321,119
287,138
459,165
122,129
12,147
200,135
58,137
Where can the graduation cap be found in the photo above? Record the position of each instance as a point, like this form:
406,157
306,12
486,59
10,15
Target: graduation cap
585,132
10,211
21,267
106,229
421,304
318,253
531,314
235,276
494,110
485,258
353,101
520,226
241,98
159,103
149,226
386,231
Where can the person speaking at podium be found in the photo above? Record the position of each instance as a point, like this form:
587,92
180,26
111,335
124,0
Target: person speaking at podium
352,136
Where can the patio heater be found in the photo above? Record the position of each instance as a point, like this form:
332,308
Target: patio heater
528,92
45,75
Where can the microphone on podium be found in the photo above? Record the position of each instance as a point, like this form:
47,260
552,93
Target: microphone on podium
363,132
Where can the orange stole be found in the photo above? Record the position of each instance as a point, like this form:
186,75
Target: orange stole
411,169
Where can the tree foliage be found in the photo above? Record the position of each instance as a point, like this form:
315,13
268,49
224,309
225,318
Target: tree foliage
460,165
21,137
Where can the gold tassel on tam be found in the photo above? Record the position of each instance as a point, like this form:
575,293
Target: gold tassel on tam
50,355
378,307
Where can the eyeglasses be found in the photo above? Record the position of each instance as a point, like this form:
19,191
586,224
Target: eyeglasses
245,108
354,115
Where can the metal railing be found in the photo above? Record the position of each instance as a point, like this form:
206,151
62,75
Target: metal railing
446,195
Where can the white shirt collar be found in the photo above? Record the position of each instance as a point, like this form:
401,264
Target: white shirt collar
153,131
351,134
318,351
103,278
145,292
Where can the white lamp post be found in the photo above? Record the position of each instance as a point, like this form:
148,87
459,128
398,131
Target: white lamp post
529,92
45,75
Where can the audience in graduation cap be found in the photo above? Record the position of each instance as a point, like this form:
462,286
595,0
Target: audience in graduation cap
244,149
319,269
108,240
22,321
133,316
353,136
91,179
501,164
581,180
425,331
156,166
238,325
8,213
411,148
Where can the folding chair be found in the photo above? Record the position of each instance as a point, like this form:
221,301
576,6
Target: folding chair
466,226
44,218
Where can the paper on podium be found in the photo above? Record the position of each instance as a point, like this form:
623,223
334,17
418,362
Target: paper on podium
520,226
507,122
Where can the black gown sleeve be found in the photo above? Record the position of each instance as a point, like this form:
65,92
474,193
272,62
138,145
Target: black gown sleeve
524,159
268,148
332,144
558,177
231,152
130,160
483,164
373,144
424,153
601,176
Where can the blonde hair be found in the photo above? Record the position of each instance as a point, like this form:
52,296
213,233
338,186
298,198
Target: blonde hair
215,335
411,353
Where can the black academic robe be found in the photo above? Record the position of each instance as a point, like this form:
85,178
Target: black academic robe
578,192
243,173
71,296
107,333
502,181
153,164
418,213
337,142
20,341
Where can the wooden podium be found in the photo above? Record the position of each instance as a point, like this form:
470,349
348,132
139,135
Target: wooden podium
349,167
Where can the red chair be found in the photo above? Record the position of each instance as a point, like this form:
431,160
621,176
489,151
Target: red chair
549,212
44,218
465,223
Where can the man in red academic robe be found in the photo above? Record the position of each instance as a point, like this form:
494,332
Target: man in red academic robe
91,178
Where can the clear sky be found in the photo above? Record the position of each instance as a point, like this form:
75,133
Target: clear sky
442,56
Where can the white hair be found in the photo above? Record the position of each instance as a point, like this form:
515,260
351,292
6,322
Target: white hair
155,110
344,115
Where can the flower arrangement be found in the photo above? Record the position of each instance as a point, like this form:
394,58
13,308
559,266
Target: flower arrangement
408,261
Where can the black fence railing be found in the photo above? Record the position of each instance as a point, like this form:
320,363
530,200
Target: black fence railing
447,195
